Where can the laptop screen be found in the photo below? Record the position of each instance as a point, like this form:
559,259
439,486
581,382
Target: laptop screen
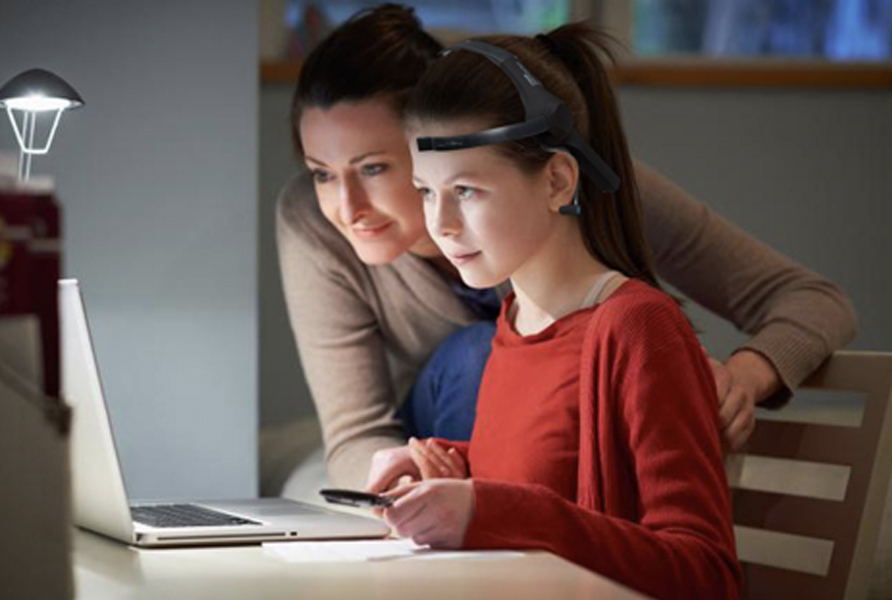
98,493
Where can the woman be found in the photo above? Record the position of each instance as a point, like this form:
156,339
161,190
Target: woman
370,297
597,429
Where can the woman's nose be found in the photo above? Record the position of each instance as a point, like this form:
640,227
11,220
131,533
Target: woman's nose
353,202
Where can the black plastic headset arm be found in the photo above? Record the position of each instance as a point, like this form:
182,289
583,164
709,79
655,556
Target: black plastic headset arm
592,164
507,133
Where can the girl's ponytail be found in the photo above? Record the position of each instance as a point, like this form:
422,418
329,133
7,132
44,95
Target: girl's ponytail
613,225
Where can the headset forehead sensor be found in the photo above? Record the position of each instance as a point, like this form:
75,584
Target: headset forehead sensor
548,120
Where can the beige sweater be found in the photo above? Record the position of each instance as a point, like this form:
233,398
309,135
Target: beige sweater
363,332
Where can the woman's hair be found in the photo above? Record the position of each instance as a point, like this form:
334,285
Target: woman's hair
378,52
465,85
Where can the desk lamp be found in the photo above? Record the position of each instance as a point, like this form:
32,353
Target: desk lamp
33,93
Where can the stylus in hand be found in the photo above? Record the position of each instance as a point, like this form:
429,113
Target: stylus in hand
354,498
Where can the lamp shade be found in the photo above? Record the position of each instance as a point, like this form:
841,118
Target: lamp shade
39,90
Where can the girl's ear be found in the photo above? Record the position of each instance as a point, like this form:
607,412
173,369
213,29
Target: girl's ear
562,172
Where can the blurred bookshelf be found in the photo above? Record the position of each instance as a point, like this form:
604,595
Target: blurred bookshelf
831,44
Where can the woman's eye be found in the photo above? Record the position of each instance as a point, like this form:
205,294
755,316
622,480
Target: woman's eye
375,169
464,192
424,193
321,176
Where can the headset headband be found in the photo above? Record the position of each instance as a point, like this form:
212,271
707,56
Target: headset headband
548,120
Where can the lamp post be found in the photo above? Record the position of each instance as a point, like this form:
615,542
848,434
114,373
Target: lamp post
34,93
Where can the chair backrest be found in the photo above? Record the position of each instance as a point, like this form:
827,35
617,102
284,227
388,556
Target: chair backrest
809,492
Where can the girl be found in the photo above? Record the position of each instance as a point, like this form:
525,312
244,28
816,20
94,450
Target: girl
597,429
370,297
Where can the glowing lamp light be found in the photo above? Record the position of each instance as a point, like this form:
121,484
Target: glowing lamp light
36,94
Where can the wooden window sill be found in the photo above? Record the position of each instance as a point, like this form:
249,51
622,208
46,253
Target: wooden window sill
703,73
753,74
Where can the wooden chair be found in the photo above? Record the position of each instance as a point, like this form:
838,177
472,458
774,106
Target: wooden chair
810,490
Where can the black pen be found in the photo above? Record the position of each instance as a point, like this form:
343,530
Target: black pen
355,498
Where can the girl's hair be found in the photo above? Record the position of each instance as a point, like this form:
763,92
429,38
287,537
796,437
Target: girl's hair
466,85
378,52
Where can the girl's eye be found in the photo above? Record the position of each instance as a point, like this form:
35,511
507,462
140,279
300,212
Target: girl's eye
464,192
424,193
375,169
321,176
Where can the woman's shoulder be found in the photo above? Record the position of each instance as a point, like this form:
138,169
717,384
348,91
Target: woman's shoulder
300,223
298,210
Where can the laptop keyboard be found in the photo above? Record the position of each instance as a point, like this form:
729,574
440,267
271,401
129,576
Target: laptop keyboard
184,515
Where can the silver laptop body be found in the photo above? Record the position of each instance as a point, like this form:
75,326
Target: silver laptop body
98,491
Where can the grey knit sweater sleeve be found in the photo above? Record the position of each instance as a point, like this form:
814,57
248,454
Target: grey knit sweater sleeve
795,317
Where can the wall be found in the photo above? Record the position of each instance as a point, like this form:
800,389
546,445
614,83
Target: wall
805,171
808,172
283,389
158,178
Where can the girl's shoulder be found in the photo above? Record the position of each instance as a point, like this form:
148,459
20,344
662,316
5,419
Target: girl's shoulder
636,296
639,313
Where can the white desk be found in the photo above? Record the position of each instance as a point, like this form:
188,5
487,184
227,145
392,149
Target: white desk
106,569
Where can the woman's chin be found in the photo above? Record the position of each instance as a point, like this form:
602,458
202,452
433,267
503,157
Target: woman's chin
378,254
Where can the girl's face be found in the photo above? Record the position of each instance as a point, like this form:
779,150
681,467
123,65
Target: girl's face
488,218
362,170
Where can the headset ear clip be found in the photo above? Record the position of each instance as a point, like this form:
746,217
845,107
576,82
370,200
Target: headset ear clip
573,209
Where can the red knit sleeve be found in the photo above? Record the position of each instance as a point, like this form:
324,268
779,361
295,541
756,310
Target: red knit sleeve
656,395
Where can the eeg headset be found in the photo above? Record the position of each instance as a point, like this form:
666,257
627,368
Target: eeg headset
548,121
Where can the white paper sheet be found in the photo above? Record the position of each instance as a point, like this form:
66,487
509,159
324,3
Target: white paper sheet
361,551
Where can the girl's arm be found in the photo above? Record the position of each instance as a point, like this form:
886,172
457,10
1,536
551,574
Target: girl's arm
658,516
340,345
796,318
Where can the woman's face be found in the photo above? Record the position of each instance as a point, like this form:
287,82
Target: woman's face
488,218
362,170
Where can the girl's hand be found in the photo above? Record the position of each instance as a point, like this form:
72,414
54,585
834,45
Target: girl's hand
435,512
433,461
390,467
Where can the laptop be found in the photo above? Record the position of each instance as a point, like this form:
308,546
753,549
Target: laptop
99,494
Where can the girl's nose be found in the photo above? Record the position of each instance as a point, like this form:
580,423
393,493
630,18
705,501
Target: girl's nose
443,219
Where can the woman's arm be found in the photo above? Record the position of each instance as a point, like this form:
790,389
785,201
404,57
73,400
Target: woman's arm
796,318
340,345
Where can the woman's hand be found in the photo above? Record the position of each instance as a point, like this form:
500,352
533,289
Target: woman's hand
390,467
742,382
433,461
435,512
418,460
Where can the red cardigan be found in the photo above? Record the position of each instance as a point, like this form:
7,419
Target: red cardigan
651,507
